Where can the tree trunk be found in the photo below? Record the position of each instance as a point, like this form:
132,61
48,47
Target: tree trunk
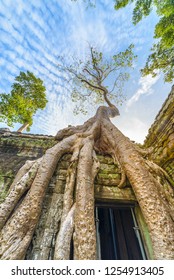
85,236
16,234
19,213
155,210
23,127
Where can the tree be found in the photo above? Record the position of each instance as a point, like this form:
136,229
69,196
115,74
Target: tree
162,54
89,80
20,211
26,97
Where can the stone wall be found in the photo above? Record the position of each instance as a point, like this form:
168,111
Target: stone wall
43,242
16,148
161,136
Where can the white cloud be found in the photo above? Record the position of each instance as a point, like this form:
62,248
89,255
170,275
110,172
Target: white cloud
132,127
145,88
33,35
12,69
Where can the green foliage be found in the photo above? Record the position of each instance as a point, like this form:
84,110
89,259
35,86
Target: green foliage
122,3
142,8
98,79
28,94
162,56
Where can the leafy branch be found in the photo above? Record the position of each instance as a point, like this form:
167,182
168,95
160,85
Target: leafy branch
99,77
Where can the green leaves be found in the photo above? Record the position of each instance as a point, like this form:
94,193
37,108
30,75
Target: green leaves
162,56
122,3
28,94
98,79
142,9
126,58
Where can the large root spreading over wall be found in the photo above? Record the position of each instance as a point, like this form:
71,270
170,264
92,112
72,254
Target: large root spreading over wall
20,212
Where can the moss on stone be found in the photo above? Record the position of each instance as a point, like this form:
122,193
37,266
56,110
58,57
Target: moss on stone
144,233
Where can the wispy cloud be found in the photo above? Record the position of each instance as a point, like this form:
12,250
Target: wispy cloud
145,88
132,126
34,33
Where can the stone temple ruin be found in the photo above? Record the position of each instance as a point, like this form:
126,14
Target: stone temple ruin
120,226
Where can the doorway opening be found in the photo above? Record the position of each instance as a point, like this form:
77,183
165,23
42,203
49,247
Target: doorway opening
118,234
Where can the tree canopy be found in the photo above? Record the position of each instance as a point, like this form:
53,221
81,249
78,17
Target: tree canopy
28,94
98,79
162,56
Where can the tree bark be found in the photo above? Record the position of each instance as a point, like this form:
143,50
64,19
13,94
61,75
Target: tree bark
23,127
22,207
85,236
146,189
62,247
16,234
20,185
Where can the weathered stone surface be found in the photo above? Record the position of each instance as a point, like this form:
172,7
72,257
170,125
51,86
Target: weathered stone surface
16,148
43,242
15,151
161,136
114,193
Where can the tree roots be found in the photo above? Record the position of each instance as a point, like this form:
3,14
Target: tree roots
20,211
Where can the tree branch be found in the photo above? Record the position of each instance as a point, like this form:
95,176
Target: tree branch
106,74
91,85
91,74
116,80
93,62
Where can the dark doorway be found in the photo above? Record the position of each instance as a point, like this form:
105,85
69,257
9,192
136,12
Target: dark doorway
118,236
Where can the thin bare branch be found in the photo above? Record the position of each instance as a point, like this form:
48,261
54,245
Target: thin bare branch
115,83
90,73
92,85
106,74
93,62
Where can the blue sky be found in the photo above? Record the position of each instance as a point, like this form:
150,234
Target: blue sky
34,33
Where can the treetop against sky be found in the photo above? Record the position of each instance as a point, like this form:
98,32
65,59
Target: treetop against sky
34,34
